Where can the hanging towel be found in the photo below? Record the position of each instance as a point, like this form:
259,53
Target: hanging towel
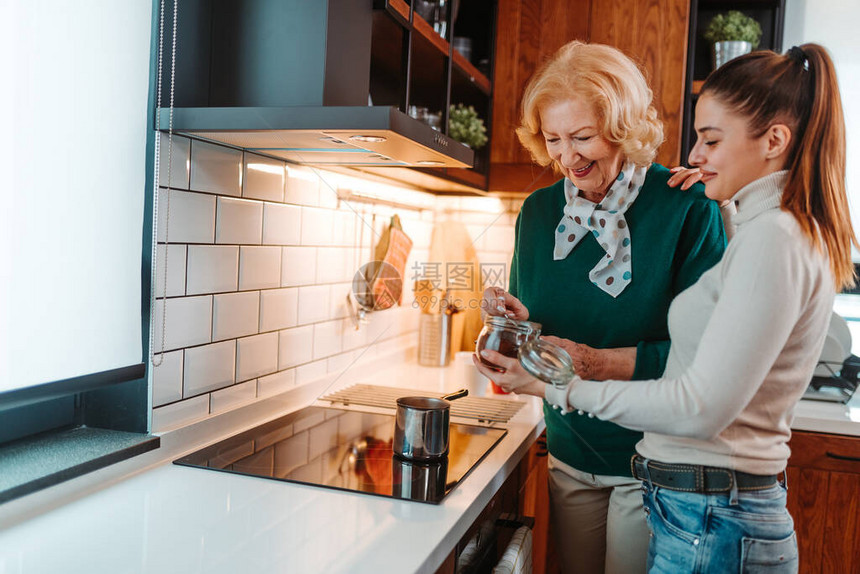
517,558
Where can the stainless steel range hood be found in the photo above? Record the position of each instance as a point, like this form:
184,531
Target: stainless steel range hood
293,78
377,136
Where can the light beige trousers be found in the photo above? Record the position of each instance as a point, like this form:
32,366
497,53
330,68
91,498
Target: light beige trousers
597,521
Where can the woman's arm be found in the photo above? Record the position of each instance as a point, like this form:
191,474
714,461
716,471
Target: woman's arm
598,364
764,286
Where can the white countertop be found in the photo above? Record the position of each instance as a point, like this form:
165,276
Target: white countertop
821,416
156,517
170,518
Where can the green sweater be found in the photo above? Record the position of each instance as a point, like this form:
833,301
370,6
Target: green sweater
676,236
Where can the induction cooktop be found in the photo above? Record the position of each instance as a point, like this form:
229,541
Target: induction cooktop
346,450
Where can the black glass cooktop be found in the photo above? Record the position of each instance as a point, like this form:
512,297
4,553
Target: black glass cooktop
346,450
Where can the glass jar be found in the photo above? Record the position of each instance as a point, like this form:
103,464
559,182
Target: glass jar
504,336
547,362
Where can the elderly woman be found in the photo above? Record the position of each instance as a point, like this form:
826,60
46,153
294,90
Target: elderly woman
598,258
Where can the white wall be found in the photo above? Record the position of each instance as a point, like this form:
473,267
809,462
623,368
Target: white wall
75,88
833,24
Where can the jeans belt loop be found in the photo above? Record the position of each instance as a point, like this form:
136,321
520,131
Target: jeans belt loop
646,471
733,493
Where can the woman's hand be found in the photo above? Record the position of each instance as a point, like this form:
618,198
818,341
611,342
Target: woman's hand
513,378
598,364
684,176
499,302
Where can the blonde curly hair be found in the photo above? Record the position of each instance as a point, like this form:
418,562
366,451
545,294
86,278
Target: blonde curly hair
608,79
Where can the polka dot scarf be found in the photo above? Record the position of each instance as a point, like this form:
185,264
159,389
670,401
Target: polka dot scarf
606,222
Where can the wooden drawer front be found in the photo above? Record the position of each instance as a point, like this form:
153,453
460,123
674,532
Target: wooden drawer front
825,452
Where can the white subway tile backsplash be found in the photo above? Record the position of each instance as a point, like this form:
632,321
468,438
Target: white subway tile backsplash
334,264
175,272
340,363
276,383
180,414
256,356
189,322
167,379
233,396
302,187
209,368
298,266
354,338
212,268
317,226
273,252
295,346
328,195
311,372
191,217
259,267
178,161
347,228
216,169
314,304
264,178
278,309
338,306
239,221
328,339
282,224
235,315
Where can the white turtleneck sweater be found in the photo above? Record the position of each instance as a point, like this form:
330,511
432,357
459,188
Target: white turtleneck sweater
745,340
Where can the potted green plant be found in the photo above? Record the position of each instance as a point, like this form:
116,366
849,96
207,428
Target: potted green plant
733,34
466,127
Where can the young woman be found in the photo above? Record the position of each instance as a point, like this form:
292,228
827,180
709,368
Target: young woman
747,335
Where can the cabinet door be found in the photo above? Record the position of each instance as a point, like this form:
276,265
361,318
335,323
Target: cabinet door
527,33
807,489
654,34
534,502
841,542
824,500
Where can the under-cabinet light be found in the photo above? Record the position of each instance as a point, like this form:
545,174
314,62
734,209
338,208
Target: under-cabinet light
370,139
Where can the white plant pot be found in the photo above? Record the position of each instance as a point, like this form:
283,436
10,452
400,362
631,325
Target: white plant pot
725,51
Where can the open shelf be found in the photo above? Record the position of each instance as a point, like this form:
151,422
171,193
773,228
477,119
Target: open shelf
414,65
770,14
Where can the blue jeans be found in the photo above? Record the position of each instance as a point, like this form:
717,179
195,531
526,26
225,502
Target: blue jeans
704,533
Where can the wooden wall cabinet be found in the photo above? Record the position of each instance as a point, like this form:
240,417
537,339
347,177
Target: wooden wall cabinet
652,32
824,500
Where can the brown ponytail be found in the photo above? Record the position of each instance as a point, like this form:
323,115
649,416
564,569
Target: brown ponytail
799,89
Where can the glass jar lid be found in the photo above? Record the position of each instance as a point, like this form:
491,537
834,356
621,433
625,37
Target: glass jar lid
501,322
547,362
